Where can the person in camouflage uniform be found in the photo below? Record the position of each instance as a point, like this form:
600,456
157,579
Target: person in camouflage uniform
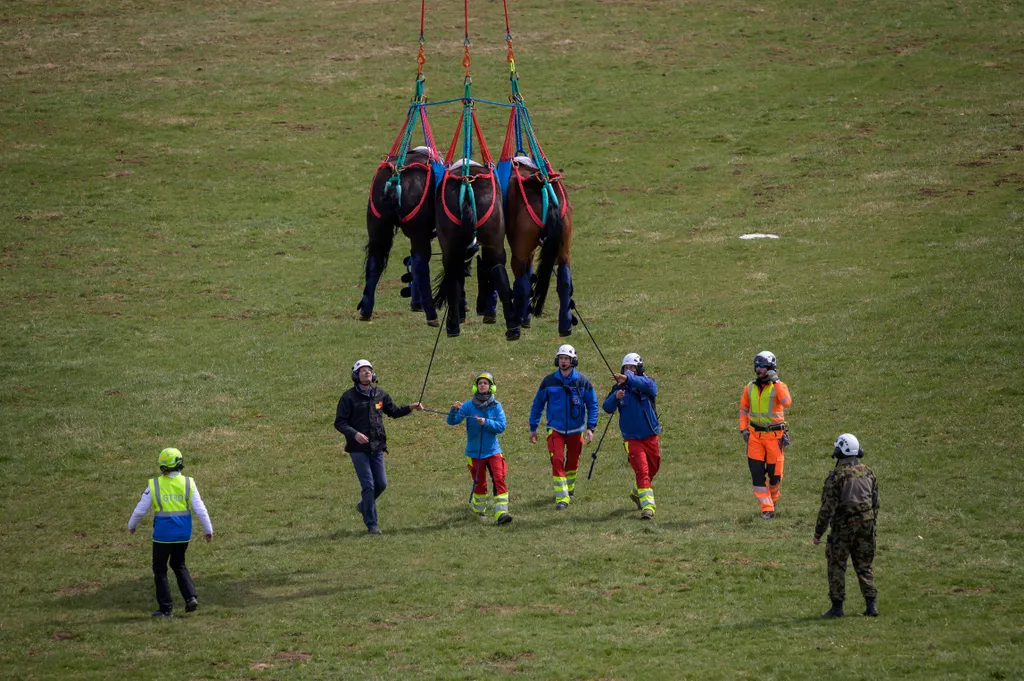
849,503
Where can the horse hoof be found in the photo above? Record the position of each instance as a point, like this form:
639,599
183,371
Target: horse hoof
434,322
454,334
525,324
365,317
462,319
416,307
512,334
563,334
489,319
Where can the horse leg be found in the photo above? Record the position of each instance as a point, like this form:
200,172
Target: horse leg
504,292
421,285
487,294
564,286
456,295
374,268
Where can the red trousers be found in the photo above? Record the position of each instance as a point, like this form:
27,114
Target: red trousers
497,465
565,452
645,459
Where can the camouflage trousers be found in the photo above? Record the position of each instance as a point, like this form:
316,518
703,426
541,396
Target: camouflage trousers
856,542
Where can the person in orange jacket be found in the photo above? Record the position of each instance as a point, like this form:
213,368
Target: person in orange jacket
764,429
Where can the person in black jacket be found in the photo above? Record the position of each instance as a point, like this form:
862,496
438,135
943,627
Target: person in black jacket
359,420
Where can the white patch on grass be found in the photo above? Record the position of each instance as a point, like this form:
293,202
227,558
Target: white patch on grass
759,236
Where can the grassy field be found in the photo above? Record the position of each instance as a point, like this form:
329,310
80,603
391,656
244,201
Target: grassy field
182,214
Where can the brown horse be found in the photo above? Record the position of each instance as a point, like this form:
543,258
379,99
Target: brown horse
469,218
407,203
539,213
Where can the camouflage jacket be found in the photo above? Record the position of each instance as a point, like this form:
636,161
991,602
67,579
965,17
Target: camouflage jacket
850,495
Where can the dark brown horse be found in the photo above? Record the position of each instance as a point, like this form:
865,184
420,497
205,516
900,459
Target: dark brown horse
470,219
401,198
539,213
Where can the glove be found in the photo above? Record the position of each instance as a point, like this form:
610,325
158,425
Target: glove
746,435
772,376
785,440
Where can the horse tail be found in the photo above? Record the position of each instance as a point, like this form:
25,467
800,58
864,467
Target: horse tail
455,259
554,228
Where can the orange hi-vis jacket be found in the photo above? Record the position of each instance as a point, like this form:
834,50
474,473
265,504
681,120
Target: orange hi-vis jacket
760,407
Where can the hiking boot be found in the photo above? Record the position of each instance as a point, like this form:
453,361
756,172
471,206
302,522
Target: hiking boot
835,612
636,500
191,605
872,607
504,519
646,514
561,506
767,515
374,530
162,613
572,494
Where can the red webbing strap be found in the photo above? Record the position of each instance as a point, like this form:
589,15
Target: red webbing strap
485,153
398,140
508,148
450,156
428,135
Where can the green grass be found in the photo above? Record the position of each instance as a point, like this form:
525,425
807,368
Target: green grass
182,211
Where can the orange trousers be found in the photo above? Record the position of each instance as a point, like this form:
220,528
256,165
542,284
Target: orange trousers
765,458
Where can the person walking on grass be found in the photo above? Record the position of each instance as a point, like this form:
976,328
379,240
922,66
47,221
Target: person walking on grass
764,429
633,395
359,418
485,420
849,508
175,497
571,405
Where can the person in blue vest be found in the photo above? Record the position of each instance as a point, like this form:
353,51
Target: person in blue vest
571,404
175,497
485,420
633,395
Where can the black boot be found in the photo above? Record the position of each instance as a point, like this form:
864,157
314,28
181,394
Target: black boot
835,611
872,607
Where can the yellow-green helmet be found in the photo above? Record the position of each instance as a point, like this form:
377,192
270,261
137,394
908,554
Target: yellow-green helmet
171,459
490,379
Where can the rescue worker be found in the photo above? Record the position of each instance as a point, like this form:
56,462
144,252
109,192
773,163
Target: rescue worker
764,429
849,508
485,419
174,496
566,394
634,395
359,419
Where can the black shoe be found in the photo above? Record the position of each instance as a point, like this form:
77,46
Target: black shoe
835,612
374,530
504,519
872,608
162,613
561,506
572,494
192,605
767,515
636,500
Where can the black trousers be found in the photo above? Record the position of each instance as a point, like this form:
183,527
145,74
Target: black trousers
175,553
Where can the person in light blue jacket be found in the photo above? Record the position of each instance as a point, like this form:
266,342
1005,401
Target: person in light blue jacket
485,420
634,395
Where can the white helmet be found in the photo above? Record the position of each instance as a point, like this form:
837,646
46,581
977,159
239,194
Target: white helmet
567,350
847,445
636,360
765,358
359,365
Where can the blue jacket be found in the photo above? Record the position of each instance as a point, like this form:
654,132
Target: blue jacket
566,397
481,440
637,419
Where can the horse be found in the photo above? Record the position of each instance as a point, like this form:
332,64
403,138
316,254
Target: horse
539,213
470,219
407,203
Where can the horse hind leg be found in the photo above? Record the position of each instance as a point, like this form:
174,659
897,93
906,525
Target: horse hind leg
500,278
564,288
487,294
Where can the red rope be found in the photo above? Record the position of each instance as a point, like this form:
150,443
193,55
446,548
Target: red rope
485,152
